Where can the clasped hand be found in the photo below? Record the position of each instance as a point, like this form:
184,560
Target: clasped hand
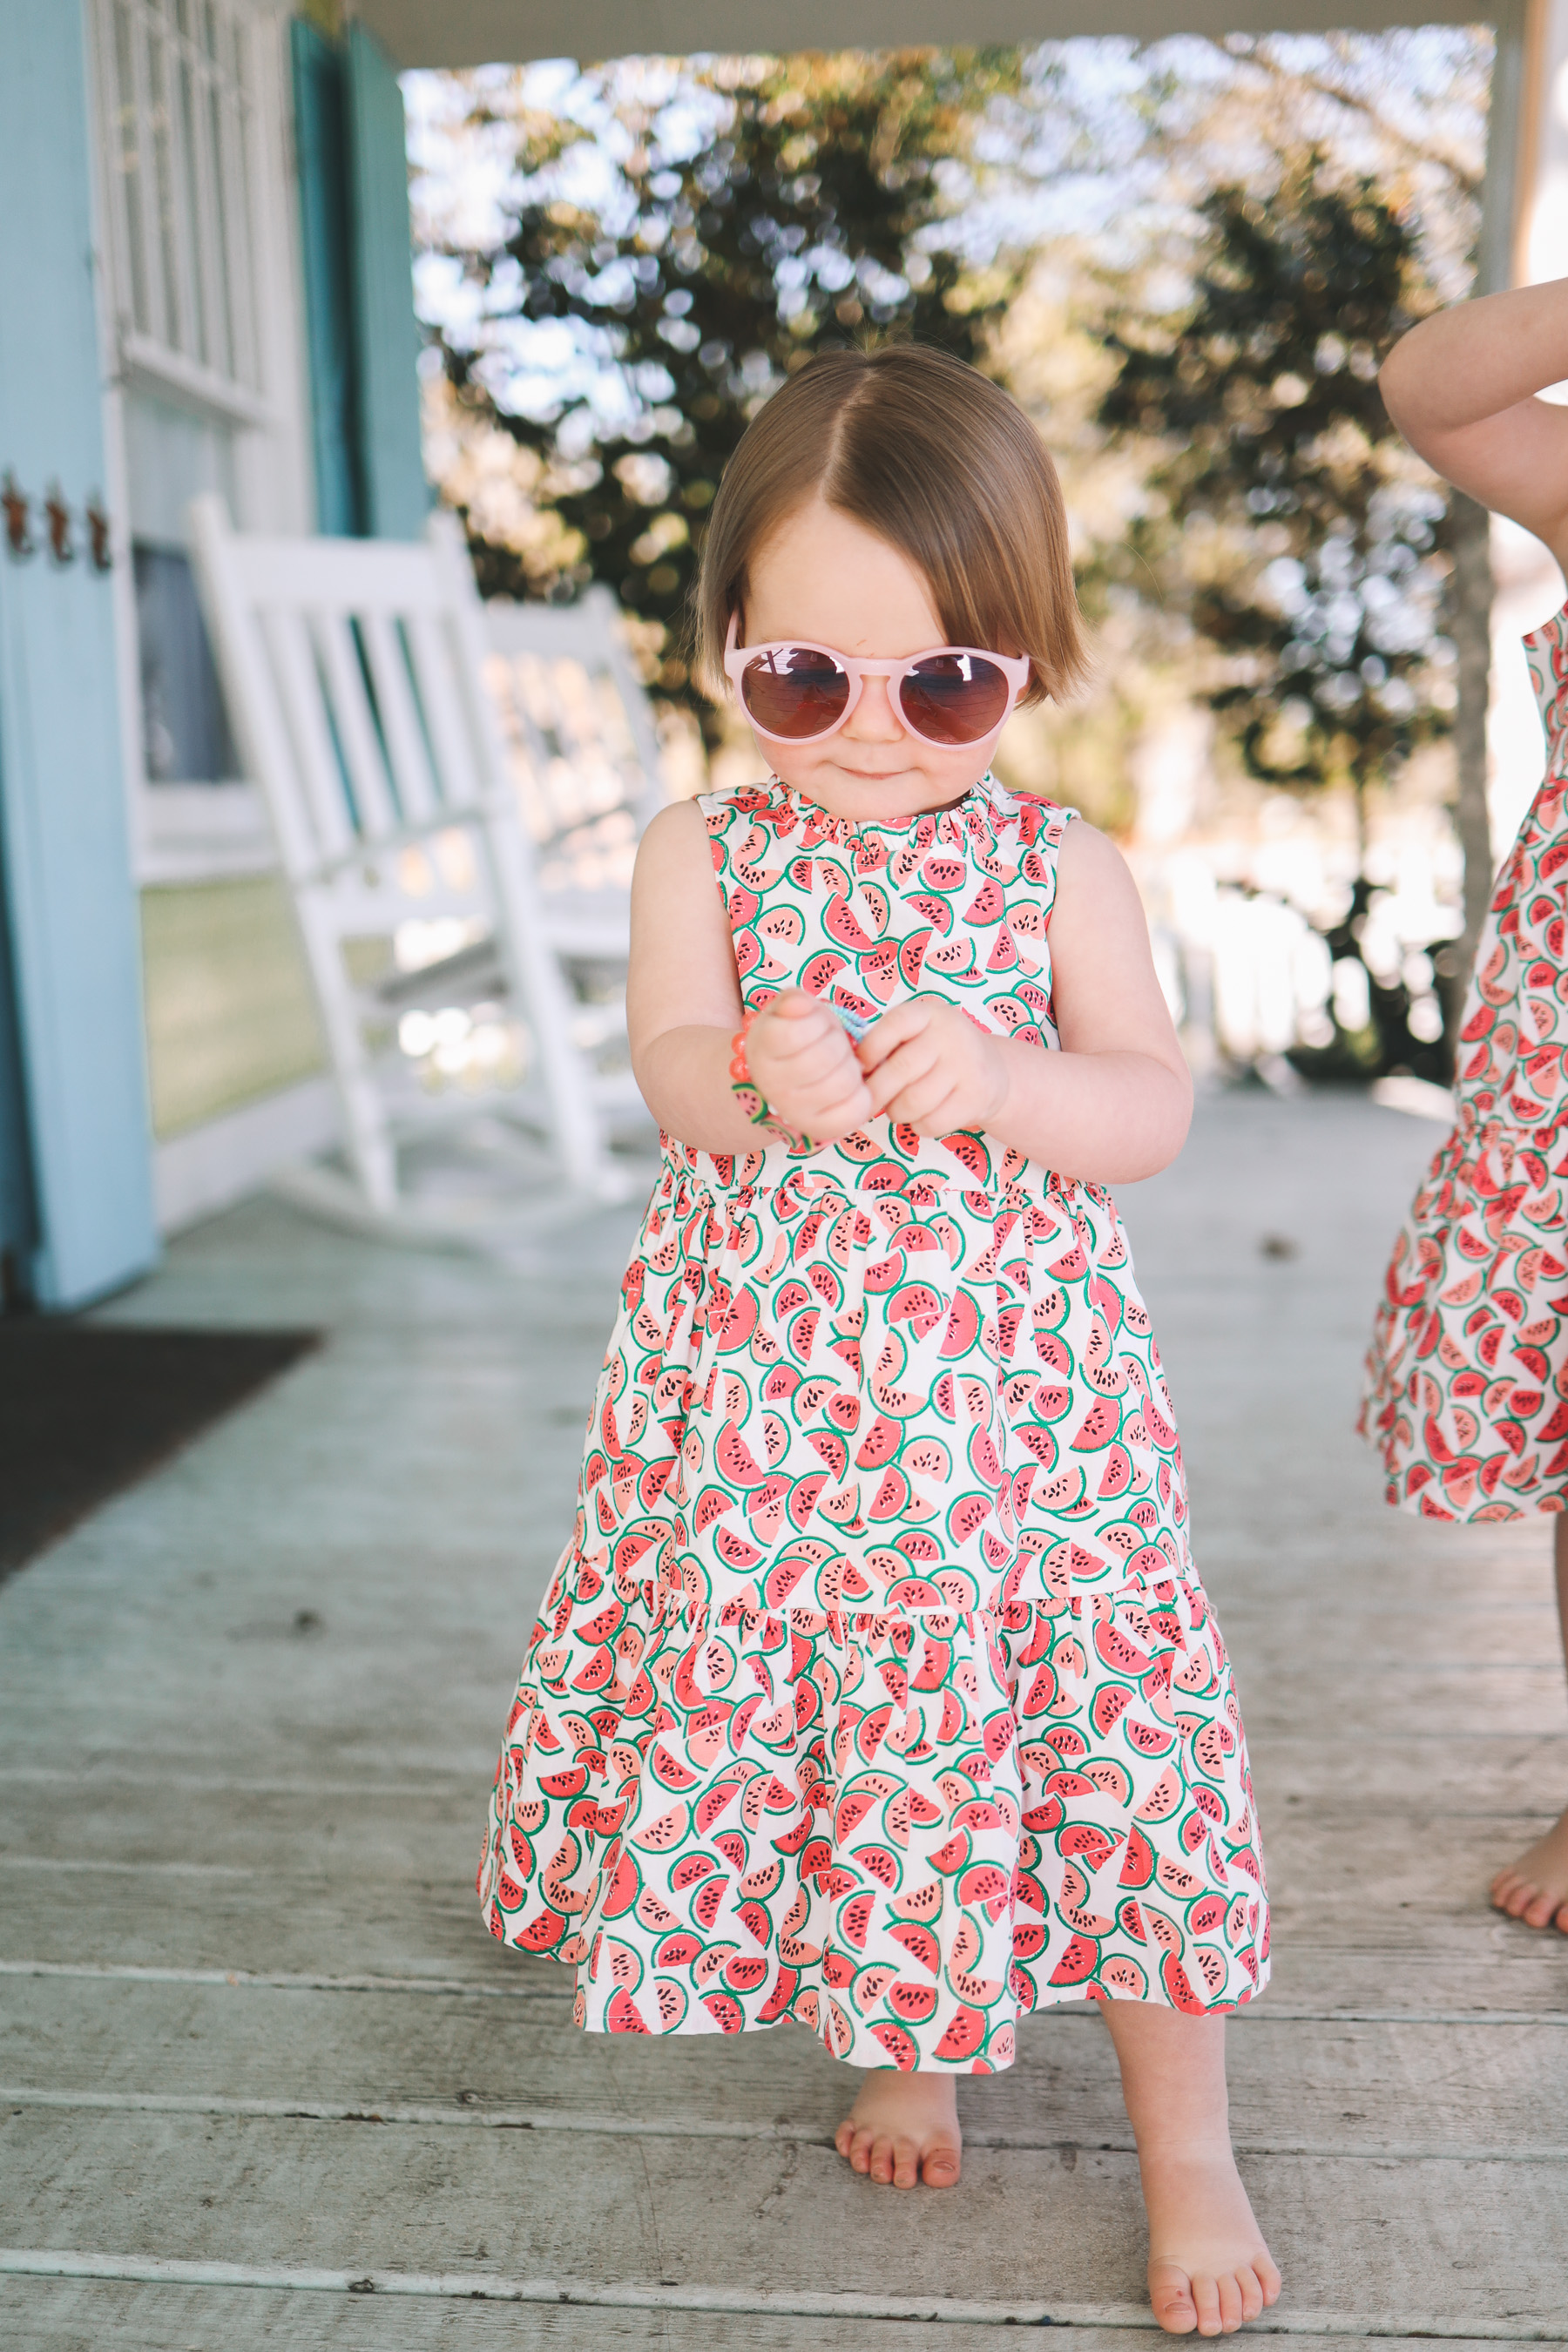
924,1064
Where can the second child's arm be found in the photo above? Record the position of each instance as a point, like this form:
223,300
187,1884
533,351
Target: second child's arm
1462,386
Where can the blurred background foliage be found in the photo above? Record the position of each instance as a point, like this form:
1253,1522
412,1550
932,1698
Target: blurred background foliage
1186,261
690,280
1291,520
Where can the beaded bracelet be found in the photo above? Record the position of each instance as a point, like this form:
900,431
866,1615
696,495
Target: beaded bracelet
747,1092
750,1095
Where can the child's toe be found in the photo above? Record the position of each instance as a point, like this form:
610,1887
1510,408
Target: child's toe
940,2167
1231,2303
906,2164
1206,2303
1171,2298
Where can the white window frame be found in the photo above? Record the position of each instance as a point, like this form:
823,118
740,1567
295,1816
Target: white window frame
202,832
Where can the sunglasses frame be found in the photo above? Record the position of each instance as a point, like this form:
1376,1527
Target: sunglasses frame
1013,668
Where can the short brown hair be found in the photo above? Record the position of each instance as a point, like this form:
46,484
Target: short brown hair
937,460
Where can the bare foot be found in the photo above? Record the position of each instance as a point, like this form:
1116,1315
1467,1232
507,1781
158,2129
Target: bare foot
903,2129
1535,1888
1209,2269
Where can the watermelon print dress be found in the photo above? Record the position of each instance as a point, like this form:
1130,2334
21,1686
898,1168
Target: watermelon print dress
876,1687
1466,1393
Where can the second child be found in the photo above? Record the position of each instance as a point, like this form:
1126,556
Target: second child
1466,1394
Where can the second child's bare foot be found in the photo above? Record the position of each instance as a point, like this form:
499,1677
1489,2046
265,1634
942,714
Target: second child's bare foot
1209,2269
903,2129
1535,1888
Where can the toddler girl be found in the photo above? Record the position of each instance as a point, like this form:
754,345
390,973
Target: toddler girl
877,1688
1467,1383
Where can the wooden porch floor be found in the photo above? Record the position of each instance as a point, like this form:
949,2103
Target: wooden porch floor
264,2079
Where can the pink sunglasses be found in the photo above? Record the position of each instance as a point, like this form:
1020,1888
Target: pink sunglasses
797,693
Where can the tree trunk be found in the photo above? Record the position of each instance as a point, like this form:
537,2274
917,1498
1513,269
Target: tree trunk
1469,538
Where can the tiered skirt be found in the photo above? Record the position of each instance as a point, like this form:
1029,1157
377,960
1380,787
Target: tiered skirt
905,1752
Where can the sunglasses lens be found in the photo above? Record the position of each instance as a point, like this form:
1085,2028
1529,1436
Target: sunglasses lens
954,697
796,692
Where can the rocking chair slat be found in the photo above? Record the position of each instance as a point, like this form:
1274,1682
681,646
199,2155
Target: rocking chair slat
429,642
315,765
353,723
254,710
401,729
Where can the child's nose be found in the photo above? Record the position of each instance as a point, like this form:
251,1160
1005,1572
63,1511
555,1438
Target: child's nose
875,718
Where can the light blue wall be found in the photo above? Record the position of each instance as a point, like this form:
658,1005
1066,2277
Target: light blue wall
66,857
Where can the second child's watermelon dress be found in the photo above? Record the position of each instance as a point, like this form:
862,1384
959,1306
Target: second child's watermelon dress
1465,1390
877,1687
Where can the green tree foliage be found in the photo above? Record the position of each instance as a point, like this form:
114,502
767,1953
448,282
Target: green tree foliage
1302,538
1287,519
703,274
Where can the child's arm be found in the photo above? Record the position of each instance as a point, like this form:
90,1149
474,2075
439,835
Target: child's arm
1459,387
683,1008
1115,1103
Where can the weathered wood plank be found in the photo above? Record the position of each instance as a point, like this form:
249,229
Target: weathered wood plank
40,2316
1346,2086
358,1832
1064,2228
70,2315
295,1681
1347,1946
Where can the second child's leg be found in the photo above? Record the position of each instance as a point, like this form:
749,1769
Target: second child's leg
1209,2269
1535,1888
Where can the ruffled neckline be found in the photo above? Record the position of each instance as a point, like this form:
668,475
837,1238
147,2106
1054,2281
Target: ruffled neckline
781,804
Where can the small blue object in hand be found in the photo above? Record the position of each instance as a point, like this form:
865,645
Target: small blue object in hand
855,1024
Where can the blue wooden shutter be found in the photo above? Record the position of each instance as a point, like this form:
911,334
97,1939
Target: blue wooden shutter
392,470
321,148
65,858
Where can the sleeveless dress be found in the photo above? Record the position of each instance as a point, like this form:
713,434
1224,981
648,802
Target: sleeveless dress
1465,1391
876,1687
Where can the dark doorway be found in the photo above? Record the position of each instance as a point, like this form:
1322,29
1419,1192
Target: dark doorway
89,1408
18,1200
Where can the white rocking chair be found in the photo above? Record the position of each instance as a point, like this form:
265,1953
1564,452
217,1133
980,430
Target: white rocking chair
462,899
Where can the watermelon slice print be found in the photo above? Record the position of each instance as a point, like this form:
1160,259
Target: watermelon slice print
876,1688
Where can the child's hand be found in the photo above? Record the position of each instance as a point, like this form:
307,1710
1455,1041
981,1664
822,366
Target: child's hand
805,1067
929,1067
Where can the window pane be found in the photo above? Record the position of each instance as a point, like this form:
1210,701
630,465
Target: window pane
177,121
185,732
198,228
127,162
